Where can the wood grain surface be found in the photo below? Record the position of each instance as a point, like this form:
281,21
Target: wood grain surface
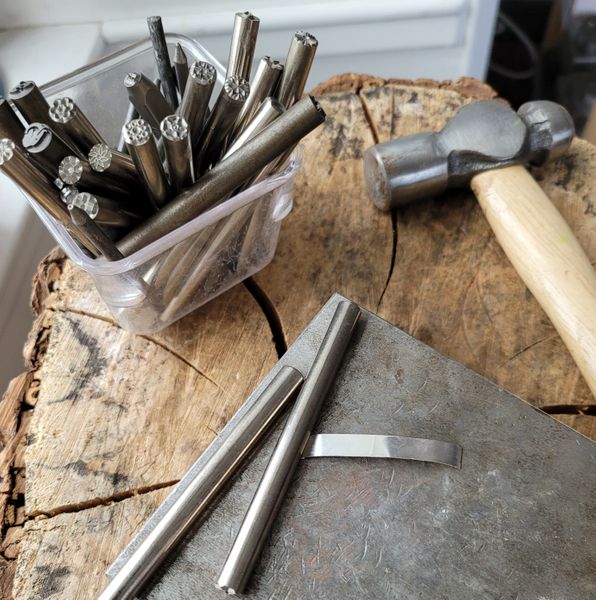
105,422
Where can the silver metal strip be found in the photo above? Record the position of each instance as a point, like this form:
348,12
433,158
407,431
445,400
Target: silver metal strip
355,445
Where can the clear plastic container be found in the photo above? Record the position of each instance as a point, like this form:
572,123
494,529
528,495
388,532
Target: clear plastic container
193,264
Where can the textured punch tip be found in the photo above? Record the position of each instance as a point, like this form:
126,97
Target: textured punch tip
70,169
273,64
174,128
100,157
66,192
131,79
137,132
87,202
203,72
37,137
62,110
248,15
21,89
236,88
306,39
6,150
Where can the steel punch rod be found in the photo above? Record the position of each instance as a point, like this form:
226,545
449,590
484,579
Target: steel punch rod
162,58
262,85
205,485
30,102
75,171
45,148
176,139
195,102
116,165
229,174
242,48
70,121
14,163
298,62
276,479
220,122
102,210
84,222
145,155
11,126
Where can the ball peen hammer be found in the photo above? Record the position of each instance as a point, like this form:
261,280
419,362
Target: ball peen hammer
485,145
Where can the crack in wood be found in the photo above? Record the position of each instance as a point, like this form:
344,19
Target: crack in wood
375,134
368,116
101,501
271,314
393,257
148,338
185,361
528,347
588,410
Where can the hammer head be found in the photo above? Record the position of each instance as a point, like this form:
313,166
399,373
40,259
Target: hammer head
481,136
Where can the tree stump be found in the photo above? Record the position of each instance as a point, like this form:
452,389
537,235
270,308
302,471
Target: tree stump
105,422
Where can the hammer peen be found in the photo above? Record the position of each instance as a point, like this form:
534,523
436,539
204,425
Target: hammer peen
486,145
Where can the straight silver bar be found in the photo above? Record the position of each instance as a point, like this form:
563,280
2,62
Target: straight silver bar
201,490
276,479
356,445
242,48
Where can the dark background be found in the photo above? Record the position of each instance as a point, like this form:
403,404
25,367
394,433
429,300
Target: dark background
547,49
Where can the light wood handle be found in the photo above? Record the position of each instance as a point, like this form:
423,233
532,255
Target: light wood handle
546,255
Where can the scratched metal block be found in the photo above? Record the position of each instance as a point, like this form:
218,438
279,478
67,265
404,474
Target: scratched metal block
515,522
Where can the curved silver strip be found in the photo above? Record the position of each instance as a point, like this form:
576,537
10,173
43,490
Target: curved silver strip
355,445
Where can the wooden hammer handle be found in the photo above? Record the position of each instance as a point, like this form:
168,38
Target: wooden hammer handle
546,255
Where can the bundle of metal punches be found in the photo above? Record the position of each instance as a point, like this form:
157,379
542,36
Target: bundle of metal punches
181,152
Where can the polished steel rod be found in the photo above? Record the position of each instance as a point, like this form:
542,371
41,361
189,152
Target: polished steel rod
207,483
131,114
199,260
145,155
220,123
269,110
262,85
176,140
242,48
298,62
276,479
30,102
183,273
229,174
195,102
11,126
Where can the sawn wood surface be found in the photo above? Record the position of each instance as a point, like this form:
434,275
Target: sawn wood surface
103,422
